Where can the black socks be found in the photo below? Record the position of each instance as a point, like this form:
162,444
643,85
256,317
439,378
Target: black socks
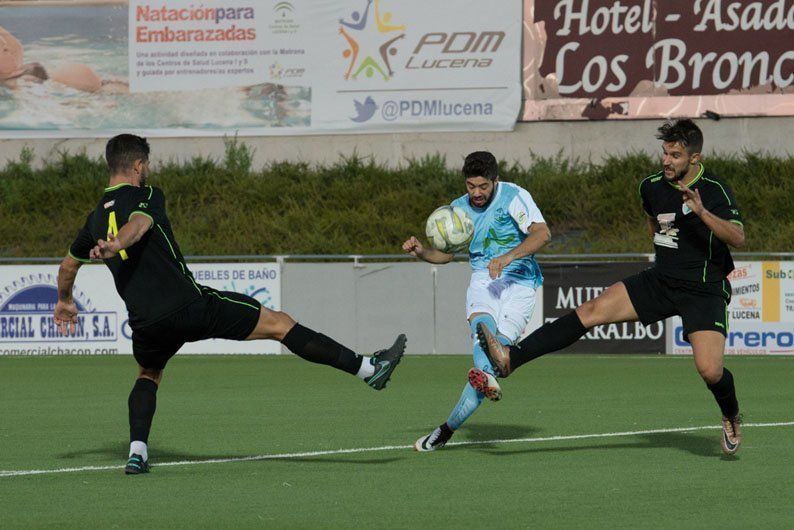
318,348
725,393
142,404
548,338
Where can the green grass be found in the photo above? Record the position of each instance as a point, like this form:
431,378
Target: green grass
71,412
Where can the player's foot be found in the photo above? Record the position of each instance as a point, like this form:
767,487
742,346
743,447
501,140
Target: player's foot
385,361
485,383
731,434
136,465
497,353
435,440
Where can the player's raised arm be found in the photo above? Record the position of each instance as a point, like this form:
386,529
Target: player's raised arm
65,313
130,233
728,231
415,248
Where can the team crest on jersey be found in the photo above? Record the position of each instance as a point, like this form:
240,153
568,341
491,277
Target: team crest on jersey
110,204
685,208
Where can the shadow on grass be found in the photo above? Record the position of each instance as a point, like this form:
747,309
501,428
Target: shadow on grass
120,451
471,432
699,444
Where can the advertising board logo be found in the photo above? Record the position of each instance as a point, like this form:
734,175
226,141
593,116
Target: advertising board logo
26,307
278,72
370,38
364,110
283,19
283,9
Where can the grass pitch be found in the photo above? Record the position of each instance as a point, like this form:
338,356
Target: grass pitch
558,469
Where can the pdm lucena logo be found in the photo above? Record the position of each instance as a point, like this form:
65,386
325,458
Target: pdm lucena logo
370,37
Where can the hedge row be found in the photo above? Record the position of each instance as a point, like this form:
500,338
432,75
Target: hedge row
360,206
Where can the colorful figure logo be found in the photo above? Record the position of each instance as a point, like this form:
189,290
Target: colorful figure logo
375,25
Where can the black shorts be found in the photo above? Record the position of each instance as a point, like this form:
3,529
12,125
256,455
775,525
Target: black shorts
216,315
702,306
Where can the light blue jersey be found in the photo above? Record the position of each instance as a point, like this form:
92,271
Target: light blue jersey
499,228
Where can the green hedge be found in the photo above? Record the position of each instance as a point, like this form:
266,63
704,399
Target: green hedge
359,206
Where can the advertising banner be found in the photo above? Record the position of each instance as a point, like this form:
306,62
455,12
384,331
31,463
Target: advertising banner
28,295
272,67
760,315
568,285
606,59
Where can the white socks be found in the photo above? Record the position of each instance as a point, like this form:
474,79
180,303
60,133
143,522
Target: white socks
139,448
367,369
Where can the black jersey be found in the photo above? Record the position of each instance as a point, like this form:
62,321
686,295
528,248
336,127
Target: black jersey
685,247
151,276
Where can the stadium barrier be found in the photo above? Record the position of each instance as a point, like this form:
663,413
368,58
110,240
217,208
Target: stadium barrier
364,300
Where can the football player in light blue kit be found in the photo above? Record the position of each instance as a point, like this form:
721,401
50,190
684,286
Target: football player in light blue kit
508,230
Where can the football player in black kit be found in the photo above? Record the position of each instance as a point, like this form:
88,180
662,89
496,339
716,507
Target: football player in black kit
692,218
130,231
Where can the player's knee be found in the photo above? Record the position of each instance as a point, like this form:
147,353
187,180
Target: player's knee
711,373
589,313
274,324
154,374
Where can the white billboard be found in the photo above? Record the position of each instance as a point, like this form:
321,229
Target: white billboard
28,294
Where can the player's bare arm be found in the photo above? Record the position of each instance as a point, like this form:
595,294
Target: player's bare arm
537,237
130,233
415,248
65,313
728,232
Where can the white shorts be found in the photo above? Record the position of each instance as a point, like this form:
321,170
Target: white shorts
510,304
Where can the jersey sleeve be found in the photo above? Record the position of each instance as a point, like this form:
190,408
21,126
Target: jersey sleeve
151,203
644,192
726,207
83,243
524,211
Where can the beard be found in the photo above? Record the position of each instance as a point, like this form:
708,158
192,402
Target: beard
486,202
677,176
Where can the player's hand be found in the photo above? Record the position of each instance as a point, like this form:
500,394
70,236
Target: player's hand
496,265
413,247
65,316
692,199
105,249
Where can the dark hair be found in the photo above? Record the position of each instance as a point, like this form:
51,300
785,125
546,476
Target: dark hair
123,150
480,164
684,132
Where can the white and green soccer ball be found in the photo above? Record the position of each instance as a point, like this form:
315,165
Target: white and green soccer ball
449,229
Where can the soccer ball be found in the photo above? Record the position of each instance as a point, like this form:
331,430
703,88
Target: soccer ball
449,229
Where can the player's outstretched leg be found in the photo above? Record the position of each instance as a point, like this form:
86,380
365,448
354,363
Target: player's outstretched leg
546,339
384,362
142,405
318,348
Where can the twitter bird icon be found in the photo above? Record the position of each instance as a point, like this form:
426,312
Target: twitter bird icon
364,111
